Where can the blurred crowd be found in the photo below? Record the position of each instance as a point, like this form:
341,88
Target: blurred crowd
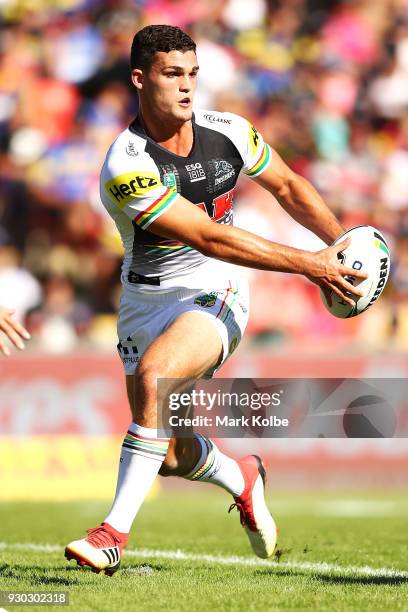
326,83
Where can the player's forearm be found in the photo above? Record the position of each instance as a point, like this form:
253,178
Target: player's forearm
301,200
243,248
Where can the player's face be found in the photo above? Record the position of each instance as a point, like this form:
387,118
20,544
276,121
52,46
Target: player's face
168,87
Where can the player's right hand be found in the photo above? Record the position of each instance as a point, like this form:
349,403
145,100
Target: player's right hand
13,330
329,273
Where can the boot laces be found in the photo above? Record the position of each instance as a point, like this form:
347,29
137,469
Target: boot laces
244,517
101,537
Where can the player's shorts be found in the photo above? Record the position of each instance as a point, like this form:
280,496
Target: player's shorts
145,315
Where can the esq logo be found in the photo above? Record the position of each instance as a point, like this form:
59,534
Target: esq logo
196,172
125,187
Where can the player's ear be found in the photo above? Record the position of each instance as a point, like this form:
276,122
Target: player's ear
137,78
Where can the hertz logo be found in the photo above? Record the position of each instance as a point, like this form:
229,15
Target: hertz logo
124,188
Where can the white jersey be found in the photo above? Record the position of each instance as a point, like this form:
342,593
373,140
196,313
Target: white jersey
140,180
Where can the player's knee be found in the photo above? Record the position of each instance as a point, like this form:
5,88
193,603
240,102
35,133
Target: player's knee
147,375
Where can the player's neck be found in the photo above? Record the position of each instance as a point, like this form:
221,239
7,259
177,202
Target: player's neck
177,138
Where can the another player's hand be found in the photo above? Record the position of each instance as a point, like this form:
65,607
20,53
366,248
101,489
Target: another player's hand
13,330
330,274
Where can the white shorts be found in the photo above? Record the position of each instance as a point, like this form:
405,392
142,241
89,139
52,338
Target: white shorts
145,315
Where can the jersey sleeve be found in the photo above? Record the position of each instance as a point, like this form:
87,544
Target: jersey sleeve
256,154
137,190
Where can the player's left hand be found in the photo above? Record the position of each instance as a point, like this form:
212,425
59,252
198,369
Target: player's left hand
13,330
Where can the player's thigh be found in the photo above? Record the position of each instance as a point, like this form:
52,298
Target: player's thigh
185,351
181,337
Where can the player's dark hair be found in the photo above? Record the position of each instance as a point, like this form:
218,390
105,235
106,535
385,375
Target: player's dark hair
154,38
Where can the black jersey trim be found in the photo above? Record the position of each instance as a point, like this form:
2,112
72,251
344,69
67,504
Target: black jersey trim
136,128
214,129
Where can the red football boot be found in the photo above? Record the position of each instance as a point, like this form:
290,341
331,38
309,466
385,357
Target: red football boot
255,516
102,549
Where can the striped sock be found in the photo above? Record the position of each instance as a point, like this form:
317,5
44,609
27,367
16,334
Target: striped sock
140,460
213,466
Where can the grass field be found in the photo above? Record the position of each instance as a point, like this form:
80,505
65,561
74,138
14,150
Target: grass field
335,552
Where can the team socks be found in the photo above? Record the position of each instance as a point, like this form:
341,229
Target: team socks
141,457
140,460
213,466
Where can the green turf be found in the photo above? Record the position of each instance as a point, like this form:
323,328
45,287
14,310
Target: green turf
197,522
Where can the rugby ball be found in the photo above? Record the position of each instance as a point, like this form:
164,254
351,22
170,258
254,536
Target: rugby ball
367,251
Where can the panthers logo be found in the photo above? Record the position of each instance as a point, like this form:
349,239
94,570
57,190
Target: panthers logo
222,166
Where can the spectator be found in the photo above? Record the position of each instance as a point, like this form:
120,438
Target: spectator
12,329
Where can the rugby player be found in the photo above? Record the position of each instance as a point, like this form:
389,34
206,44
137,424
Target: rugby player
13,330
168,182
